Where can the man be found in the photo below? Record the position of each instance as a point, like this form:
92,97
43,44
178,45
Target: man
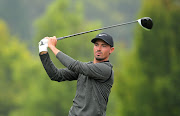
94,79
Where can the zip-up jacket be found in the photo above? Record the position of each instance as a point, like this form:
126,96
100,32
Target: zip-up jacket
94,83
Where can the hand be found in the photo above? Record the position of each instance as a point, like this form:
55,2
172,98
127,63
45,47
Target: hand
52,41
43,45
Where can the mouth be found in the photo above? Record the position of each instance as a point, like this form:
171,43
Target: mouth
98,53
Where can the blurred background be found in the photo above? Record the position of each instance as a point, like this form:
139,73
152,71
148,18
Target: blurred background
146,63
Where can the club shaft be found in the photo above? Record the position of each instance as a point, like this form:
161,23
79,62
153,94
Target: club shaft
60,38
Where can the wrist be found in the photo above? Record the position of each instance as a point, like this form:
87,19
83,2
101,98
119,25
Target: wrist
54,49
51,46
44,52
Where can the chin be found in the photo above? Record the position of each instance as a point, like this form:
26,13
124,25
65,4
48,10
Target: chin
99,59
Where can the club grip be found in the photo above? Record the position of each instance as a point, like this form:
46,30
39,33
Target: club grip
60,38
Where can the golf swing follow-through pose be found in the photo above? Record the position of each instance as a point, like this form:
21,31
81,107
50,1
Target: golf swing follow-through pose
94,79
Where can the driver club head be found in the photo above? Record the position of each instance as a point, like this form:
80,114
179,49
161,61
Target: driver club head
146,23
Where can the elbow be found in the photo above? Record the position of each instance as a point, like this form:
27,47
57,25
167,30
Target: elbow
52,79
51,76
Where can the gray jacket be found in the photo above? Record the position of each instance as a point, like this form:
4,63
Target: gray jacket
94,83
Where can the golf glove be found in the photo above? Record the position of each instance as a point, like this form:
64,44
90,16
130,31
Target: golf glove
43,45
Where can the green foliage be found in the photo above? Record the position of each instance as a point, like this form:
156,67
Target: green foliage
20,14
18,69
146,79
150,79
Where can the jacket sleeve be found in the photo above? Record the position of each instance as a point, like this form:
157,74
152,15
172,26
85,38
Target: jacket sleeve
99,71
54,73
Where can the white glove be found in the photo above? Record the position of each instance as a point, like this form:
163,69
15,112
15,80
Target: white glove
43,45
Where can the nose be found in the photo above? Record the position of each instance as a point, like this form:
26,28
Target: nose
99,48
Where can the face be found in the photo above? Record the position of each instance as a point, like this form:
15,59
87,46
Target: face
102,51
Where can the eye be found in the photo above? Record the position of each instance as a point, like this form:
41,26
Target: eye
104,45
95,44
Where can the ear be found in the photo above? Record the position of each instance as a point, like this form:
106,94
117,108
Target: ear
111,50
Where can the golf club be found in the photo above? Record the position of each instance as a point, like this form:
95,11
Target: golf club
145,22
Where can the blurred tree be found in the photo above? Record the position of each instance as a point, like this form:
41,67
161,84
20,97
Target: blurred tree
151,79
20,15
5,104
18,70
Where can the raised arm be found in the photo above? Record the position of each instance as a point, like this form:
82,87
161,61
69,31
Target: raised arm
55,73
100,71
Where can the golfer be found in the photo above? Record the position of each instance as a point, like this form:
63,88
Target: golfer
94,79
